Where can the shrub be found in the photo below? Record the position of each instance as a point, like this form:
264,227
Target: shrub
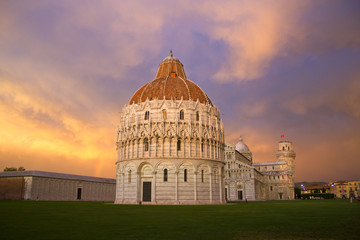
318,195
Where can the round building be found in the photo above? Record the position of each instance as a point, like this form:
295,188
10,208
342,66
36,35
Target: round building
170,143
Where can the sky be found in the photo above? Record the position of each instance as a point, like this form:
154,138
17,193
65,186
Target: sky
271,67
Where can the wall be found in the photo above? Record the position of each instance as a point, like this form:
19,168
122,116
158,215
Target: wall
66,190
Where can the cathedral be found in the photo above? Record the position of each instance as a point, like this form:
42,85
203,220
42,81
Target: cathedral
248,181
171,149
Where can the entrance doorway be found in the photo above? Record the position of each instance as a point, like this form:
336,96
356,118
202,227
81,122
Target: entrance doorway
146,191
280,196
79,194
240,195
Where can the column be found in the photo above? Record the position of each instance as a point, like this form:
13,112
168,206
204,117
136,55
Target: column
138,187
184,150
153,189
156,146
162,147
221,181
190,148
150,143
176,186
137,148
122,186
195,187
211,193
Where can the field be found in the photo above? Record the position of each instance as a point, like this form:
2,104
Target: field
302,219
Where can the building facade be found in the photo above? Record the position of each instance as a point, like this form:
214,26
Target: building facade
50,186
248,181
345,189
170,143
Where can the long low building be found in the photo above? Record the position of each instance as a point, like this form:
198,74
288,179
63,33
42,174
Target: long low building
51,186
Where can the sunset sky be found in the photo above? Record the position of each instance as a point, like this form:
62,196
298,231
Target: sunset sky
271,67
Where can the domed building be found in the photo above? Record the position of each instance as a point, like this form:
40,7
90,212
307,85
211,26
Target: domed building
249,181
170,143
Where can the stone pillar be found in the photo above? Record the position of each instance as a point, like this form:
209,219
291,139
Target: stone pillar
176,149
137,148
211,192
153,189
138,187
162,147
149,143
122,186
156,146
195,186
170,146
176,186
190,151
221,185
184,149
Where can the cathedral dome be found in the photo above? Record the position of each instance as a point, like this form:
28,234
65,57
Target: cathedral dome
170,83
241,146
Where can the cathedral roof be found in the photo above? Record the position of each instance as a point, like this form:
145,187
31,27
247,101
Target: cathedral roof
170,83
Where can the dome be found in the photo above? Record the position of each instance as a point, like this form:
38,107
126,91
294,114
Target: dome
241,146
170,83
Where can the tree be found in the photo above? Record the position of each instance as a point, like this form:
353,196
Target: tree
10,169
14,169
297,192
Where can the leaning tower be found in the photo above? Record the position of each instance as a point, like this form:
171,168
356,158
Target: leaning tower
287,155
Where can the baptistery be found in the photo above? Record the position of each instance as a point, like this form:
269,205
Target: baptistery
170,143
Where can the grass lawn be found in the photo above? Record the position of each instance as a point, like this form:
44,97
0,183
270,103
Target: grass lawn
310,219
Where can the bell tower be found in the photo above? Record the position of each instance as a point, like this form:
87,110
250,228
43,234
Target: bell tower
285,153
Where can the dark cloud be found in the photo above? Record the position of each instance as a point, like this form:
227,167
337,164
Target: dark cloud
288,67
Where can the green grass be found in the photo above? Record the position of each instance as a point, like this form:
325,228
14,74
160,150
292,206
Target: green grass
321,219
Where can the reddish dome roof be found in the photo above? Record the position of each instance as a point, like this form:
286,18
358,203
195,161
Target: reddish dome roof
170,83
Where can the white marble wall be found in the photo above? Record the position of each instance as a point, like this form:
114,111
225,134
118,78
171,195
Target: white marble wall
55,189
165,141
203,185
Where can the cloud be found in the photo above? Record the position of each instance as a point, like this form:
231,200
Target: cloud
272,67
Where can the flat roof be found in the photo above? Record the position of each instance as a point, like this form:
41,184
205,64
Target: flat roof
274,173
56,175
269,163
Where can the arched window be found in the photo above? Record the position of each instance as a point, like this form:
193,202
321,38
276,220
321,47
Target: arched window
283,148
147,115
165,175
164,114
202,147
129,176
181,114
179,145
185,175
197,116
202,175
146,145
215,176
270,188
